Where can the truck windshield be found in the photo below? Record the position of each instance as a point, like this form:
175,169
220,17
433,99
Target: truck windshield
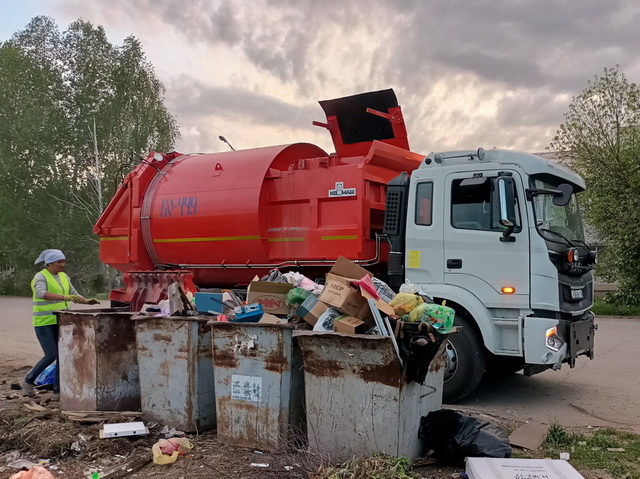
559,224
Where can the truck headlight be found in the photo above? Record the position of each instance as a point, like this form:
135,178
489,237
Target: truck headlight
554,342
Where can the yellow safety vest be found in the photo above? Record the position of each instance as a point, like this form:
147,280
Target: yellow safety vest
43,309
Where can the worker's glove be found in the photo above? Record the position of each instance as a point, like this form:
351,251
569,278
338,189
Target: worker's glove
76,298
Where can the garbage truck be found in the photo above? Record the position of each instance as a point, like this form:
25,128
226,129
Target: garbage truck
497,235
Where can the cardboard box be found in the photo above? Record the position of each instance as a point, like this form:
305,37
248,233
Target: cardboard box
311,309
272,296
484,467
349,325
340,294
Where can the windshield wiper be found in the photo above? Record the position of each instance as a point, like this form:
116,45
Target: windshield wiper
567,240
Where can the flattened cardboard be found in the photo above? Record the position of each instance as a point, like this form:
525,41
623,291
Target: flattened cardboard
529,436
497,468
348,269
349,325
272,296
271,319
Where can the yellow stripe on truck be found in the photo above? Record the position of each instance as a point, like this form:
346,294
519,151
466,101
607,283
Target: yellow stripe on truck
114,238
343,237
284,240
211,238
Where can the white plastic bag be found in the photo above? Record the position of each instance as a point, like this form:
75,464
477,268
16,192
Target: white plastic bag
408,287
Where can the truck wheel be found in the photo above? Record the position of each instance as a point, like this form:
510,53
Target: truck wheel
465,362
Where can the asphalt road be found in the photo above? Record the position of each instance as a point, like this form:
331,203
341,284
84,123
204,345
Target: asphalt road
602,392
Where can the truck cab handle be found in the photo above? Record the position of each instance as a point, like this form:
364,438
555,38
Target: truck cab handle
454,263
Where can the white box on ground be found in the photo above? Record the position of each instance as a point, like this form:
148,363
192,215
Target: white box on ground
123,429
485,467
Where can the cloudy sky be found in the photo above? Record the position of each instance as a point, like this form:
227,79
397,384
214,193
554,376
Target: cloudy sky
486,73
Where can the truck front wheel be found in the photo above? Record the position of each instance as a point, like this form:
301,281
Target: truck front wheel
465,361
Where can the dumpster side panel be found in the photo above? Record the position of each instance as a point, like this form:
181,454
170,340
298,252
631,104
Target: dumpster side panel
171,373
118,381
77,362
254,384
355,391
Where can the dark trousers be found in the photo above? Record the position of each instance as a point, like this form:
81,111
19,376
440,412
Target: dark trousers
48,338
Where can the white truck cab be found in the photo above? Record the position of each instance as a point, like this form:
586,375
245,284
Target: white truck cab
498,236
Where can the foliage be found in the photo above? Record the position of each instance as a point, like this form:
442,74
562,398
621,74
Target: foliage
600,137
612,305
615,452
56,89
377,466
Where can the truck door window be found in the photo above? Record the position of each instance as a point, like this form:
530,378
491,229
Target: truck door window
424,197
474,205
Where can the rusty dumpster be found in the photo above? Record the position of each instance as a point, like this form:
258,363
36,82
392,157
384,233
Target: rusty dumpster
176,371
259,385
97,361
357,401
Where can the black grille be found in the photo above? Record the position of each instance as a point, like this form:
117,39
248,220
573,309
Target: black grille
392,213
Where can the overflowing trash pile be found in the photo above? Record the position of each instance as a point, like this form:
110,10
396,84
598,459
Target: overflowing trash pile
351,301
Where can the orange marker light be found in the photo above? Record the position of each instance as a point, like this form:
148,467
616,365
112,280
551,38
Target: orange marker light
508,289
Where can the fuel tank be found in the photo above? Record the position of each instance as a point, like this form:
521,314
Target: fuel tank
233,215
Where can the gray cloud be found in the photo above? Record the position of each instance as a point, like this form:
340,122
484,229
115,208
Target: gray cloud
187,96
529,58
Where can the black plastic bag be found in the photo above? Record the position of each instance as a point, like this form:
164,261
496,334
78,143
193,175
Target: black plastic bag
454,437
419,344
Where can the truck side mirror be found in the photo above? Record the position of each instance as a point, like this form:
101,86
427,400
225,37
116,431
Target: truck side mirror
507,203
564,196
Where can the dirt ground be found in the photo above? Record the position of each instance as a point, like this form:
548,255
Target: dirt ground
74,450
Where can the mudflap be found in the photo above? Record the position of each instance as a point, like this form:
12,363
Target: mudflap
581,338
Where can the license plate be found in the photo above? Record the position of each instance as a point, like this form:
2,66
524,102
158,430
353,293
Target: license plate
577,294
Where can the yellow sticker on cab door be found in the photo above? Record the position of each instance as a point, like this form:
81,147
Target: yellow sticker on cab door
414,259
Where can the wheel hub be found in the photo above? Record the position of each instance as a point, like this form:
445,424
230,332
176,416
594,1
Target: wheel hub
451,361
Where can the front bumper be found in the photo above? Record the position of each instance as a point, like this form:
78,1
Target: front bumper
578,337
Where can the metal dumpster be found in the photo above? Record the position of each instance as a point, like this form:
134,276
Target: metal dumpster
176,371
97,361
357,401
259,385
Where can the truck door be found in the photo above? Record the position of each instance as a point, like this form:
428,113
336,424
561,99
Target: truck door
475,257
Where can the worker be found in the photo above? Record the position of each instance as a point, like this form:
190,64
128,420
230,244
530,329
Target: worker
52,291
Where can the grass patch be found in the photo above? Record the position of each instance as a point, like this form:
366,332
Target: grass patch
604,308
592,451
377,466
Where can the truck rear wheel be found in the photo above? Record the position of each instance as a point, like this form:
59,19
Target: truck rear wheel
465,361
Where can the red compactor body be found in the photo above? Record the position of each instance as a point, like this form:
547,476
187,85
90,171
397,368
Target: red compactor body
227,217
